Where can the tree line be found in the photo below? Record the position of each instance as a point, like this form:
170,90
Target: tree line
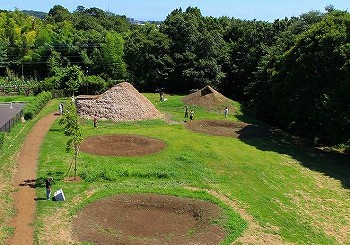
293,73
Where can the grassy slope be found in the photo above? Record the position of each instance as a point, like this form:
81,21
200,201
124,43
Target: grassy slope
288,190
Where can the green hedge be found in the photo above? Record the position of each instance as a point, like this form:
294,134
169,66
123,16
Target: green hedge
37,104
2,138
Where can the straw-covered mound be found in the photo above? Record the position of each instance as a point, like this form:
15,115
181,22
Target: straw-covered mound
121,103
210,99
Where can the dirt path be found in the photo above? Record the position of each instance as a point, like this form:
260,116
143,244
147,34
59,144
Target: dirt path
24,180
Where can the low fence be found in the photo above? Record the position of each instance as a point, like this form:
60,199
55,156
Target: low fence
10,114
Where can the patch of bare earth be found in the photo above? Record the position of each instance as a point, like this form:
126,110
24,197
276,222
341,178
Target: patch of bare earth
122,145
228,128
148,219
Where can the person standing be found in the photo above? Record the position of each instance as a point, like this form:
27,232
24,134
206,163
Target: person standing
161,95
226,112
191,115
186,112
48,183
95,121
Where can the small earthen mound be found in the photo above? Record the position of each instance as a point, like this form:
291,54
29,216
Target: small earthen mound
149,219
228,128
121,145
210,99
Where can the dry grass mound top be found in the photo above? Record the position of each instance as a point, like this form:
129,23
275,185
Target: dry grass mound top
210,99
148,219
121,103
121,145
228,128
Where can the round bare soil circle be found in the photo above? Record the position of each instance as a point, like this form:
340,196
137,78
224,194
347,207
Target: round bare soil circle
122,145
148,219
228,128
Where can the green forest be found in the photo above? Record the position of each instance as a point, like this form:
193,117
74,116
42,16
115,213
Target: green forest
292,73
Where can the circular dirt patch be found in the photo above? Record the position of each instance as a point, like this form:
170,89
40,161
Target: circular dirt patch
121,145
148,219
228,128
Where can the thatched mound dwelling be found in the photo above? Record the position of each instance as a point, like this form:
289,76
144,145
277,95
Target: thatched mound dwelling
210,99
121,103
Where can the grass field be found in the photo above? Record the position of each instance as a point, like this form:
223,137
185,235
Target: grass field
291,192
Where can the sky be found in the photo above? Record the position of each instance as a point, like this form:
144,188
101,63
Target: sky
267,10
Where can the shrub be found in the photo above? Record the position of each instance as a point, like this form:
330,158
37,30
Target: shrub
36,105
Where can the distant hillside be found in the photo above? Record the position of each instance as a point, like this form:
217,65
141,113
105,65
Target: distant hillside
40,15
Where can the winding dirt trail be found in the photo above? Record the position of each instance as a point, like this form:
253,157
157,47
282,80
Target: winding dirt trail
24,180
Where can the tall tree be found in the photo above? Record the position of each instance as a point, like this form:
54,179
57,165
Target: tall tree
147,57
112,52
310,78
195,50
58,14
247,42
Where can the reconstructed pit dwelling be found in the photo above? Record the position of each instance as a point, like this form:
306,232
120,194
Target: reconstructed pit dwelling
210,99
120,103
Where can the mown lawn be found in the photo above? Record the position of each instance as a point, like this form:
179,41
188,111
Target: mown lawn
299,194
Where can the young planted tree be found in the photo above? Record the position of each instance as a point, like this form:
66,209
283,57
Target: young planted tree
70,122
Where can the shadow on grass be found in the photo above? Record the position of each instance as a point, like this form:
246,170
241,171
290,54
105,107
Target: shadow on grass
40,199
40,182
56,129
332,164
28,182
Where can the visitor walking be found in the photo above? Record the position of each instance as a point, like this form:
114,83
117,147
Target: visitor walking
191,115
48,183
60,107
186,112
226,112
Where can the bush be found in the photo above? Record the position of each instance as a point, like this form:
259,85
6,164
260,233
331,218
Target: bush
37,104
2,138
